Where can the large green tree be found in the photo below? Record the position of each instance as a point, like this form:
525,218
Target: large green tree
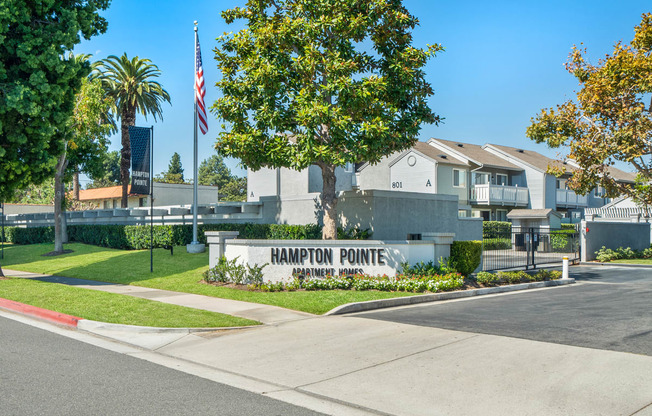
321,82
85,140
37,86
108,174
174,173
610,120
214,172
132,85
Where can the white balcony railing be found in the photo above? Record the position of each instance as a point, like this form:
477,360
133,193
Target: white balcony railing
566,197
499,195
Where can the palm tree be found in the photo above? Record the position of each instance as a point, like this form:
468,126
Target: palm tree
130,84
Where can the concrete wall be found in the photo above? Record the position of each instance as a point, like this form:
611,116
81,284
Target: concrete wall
393,215
612,235
390,215
469,229
11,209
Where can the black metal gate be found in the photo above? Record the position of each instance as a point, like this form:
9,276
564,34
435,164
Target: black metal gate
529,248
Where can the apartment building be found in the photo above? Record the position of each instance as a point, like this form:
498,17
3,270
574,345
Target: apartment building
489,180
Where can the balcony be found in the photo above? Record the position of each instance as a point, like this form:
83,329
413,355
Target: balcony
566,198
488,194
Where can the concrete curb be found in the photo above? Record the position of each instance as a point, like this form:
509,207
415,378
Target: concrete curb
413,300
40,313
93,326
591,263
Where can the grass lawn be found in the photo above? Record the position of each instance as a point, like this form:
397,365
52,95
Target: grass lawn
111,307
181,272
634,261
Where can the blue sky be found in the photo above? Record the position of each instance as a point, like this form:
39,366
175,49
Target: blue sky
504,61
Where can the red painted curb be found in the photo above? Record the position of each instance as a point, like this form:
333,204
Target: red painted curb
48,315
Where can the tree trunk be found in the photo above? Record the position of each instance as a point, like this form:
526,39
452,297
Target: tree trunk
64,224
75,186
128,119
58,202
329,201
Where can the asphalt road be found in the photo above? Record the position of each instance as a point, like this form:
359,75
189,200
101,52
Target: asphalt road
42,373
609,308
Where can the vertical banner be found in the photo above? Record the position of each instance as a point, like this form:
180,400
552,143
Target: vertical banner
141,170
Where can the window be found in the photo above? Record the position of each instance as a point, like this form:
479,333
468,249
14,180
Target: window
349,168
501,215
561,183
459,178
480,178
115,203
141,202
501,179
461,213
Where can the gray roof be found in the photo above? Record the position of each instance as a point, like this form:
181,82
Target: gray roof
532,213
477,154
620,175
437,155
532,158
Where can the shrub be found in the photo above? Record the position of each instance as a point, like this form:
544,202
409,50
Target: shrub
30,235
138,236
497,243
496,229
514,277
607,254
426,269
230,271
465,256
547,275
486,278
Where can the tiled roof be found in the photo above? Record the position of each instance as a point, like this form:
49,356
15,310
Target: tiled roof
112,192
477,154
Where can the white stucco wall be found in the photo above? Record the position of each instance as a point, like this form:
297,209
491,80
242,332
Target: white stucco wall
413,173
345,256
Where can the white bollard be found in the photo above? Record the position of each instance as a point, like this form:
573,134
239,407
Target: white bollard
564,267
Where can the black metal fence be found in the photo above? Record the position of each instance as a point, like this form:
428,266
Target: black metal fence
529,248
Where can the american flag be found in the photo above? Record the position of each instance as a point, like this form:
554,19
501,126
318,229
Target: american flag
200,90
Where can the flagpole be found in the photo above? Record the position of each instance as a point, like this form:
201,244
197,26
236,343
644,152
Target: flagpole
195,246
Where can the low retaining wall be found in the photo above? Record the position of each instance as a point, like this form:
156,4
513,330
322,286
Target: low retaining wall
285,258
596,234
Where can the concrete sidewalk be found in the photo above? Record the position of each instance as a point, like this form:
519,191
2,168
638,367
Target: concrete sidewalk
266,314
391,368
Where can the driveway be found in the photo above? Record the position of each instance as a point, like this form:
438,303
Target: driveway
609,308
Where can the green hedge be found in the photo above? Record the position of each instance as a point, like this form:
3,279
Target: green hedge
35,235
138,236
497,243
465,256
561,240
496,229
